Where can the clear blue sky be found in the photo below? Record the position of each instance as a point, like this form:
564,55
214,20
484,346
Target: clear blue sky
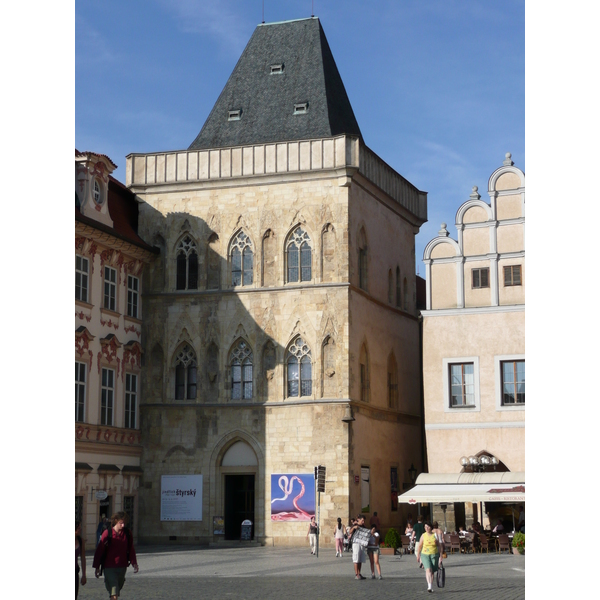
437,86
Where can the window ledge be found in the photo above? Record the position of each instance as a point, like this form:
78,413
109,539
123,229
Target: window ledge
110,313
510,407
82,304
132,319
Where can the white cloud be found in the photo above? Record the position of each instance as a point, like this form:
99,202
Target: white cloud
220,20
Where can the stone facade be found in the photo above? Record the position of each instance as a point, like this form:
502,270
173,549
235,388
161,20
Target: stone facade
359,218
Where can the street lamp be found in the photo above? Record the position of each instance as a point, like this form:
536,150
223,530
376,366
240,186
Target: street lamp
479,464
412,473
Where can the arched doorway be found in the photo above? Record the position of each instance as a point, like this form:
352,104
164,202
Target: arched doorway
239,467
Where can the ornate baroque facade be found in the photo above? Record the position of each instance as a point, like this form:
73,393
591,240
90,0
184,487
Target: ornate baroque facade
109,257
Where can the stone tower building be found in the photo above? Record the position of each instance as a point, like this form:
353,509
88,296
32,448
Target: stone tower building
281,327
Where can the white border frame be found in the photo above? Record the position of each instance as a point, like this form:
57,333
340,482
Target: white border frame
498,381
446,362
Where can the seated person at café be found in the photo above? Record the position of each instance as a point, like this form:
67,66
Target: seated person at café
499,527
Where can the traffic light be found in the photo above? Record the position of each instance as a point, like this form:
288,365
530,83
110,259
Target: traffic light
320,477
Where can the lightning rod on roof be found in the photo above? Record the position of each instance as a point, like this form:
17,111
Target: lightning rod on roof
263,14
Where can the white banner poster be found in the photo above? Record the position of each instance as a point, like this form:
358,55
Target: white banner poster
181,498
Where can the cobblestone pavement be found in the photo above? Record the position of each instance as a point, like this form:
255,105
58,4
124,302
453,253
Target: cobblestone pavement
292,573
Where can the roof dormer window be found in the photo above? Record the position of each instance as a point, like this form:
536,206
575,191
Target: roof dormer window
235,115
98,199
300,108
277,69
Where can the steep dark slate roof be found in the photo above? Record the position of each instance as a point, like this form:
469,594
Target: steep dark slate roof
267,100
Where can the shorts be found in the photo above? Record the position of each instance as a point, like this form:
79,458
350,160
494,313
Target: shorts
358,554
114,579
373,551
430,561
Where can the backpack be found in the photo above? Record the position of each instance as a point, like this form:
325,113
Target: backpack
107,544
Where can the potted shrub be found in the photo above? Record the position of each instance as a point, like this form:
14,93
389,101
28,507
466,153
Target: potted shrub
391,542
518,543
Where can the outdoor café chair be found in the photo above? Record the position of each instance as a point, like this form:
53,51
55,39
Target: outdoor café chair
503,543
454,543
484,542
405,544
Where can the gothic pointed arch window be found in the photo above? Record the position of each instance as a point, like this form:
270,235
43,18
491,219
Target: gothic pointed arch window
398,288
186,374
390,287
405,285
241,258
187,264
241,371
298,369
299,256
365,387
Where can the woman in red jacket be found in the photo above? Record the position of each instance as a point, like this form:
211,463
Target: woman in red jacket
114,554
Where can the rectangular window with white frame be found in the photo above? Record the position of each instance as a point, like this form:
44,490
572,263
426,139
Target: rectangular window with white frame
107,397
82,270
131,387
110,288
80,387
461,383
133,295
510,382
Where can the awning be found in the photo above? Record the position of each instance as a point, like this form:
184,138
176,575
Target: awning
466,487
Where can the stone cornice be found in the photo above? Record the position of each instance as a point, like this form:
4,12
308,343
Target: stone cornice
369,410
476,425
475,310
247,290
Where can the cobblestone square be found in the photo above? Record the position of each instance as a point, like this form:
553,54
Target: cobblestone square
292,573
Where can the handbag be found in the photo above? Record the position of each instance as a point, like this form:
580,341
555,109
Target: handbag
441,576
444,555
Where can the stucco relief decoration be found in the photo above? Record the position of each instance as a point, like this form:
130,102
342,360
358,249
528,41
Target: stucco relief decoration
81,315
81,173
82,344
110,323
79,432
134,329
99,170
87,247
133,267
110,346
132,357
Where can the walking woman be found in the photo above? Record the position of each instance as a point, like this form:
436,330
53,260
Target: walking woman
312,535
338,534
429,553
79,553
